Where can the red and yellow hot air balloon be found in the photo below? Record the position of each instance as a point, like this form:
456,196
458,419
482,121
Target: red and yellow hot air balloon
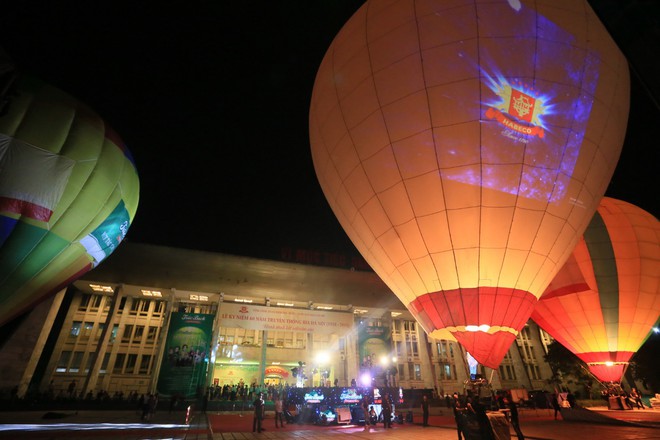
464,147
69,191
604,302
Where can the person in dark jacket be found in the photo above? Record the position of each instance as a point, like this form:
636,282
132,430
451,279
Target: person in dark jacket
515,422
259,408
425,411
459,414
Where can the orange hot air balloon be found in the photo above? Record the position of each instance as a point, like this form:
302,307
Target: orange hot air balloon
604,302
464,147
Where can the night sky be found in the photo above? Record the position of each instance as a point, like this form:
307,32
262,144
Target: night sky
212,99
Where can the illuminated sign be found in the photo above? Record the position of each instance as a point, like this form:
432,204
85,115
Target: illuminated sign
350,395
314,397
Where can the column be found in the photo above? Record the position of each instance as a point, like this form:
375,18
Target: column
102,345
155,372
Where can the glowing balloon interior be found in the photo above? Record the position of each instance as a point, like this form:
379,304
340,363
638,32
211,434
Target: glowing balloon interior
603,303
68,193
464,148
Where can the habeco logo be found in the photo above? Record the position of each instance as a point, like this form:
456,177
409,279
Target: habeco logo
517,111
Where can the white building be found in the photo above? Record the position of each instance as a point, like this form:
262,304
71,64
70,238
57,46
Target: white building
108,331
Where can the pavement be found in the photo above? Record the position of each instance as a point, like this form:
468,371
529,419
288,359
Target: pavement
126,425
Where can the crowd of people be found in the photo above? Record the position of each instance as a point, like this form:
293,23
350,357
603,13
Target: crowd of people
626,399
241,392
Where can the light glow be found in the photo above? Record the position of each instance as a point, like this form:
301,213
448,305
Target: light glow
365,379
322,358
152,293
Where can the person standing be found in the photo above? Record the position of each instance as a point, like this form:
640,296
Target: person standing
459,414
259,409
365,410
637,398
279,412
425,411
387,411
513,411
554,399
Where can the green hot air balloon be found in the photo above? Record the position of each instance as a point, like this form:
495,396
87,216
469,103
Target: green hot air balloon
69,191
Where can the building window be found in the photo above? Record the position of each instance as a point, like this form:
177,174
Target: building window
442,348
415,349
401,370
139,331
113,333
84,301
87,329
145,304
63,363
445,369
507,372
131,360
152,333
90,361
104,364
99,331
76,361
159,306
128,330
534,371
119,363
95,302
75,329
145,364
122,304
418,372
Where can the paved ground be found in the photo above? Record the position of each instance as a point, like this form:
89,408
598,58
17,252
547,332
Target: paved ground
125,425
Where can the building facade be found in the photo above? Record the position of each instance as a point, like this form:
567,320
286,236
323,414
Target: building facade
132,326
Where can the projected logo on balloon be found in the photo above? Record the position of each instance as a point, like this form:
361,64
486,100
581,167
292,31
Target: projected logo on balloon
522,114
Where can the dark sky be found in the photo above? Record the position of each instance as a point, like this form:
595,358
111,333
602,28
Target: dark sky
212,99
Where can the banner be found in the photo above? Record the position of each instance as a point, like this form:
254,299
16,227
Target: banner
246,316
184,366
373,343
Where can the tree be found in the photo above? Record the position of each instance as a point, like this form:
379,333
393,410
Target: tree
567,368
644,364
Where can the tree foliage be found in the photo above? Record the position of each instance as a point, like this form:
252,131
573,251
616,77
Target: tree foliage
644,364
567,369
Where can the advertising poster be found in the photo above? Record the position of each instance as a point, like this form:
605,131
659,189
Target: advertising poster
374,343
184,366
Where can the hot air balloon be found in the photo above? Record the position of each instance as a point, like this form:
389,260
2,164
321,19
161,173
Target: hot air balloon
464,147
604,302
68,192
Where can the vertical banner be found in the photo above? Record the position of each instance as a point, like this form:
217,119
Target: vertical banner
374,342
184,366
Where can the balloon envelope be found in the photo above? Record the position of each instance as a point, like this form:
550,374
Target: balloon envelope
604,302
464,147
68,193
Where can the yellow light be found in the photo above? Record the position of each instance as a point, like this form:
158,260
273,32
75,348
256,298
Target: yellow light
609,363
322,358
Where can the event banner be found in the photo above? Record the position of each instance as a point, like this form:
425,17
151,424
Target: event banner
247,316
183,370
373,343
